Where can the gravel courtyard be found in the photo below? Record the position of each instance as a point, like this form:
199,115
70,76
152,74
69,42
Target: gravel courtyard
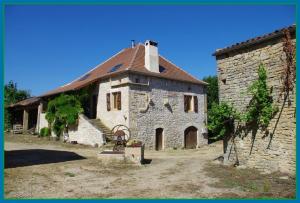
42,168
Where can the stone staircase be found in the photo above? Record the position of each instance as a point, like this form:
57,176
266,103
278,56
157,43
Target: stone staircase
99,125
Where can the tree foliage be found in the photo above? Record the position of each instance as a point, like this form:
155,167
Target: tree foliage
45,132
220,119
63,111
12,95
212,90
260,110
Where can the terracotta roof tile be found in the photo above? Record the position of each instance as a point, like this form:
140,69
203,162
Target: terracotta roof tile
29,101
254,41
127,60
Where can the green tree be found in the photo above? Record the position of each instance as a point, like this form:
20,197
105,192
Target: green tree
11,96
258,113
212,90
62,112
220,119
260,110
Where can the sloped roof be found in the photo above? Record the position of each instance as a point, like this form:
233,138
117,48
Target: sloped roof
127,60
29,101
254,41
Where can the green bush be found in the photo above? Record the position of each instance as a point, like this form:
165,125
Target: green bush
45,132
220,119
63,111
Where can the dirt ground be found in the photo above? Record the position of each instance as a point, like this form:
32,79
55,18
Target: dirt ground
41,168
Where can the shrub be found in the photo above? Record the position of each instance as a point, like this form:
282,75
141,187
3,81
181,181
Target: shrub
220,119
45,132
63,111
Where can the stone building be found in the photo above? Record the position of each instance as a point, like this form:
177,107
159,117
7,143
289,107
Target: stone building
237,67
161,104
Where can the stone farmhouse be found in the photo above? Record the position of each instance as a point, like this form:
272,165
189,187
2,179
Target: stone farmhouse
162,105
237,67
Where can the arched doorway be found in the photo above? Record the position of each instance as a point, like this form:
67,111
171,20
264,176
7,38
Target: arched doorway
190,138
159,139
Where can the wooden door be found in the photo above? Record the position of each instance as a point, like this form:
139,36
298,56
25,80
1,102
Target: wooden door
190,138
159,139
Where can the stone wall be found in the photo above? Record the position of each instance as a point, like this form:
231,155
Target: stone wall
148,110
85,133
42,121
236,71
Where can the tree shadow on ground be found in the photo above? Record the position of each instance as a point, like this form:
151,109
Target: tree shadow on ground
29,157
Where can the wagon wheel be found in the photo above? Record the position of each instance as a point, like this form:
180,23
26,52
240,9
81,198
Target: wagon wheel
121,130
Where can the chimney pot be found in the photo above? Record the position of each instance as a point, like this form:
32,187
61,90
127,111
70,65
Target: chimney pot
151,56
132,43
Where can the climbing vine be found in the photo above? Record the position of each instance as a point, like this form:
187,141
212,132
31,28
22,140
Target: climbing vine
289,73
260,110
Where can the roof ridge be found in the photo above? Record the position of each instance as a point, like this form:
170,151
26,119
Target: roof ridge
255,39
133,57
94,68
181,69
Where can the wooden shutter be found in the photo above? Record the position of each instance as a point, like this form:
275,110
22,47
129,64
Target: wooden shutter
108,101
196,104
119,100
185,103
205,103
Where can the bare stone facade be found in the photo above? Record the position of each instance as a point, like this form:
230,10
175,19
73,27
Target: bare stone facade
237,69
159,103
153,103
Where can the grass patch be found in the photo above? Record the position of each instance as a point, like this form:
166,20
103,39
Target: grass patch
189,188
69,174
251,181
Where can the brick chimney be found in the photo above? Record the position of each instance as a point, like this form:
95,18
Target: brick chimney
151,56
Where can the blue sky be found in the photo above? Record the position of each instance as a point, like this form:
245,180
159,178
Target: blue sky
48,46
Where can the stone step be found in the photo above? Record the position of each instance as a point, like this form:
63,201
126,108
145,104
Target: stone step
98,124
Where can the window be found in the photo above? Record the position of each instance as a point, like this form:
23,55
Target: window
190,103
137,80
205,103
187,103
224,81
115,68
162,69
108,101
117,100
196,104
84,77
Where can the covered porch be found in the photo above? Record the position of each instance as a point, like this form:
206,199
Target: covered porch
24,115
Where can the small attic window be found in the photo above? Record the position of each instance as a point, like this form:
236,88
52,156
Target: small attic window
84,77
115,68
161,69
